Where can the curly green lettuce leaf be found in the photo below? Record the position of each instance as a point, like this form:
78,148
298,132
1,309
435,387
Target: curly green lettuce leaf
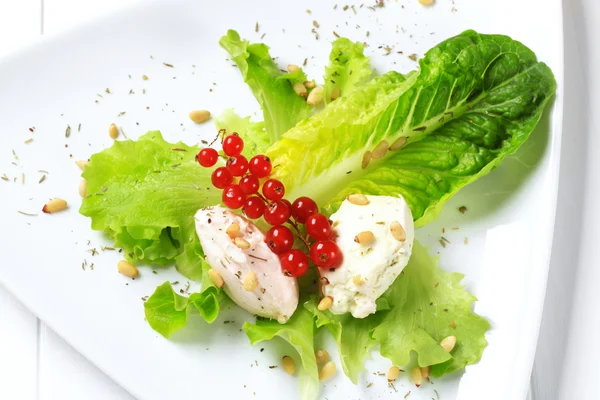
428,305
256,139
144,194
282,107
297,76
476,99
167,312
299,332
348,68
352,336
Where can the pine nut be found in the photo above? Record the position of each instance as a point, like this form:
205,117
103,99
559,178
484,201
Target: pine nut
241,243
393,373
335,93
417,377
216,278
83,188
426,371
366,159
365,237
398,231
315,97
398,144
310,84
328,371
233,230
358,199
300,89
289,365
82,164
292,68
127,269
321,355
250,281
381,149
358,280
113,131
325,304
144,77
54,205
426,2
200,116
448,343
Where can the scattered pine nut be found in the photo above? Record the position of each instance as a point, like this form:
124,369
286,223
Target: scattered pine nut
216,278
310,84
328,371
426,371
233,230
417,377
241,243
366,159
325,303
448,343
366,237
289,365
113,131
250,281
315,97
144,77
83,188
358,280
426,2
358,199
321,355
82,164
335,93
398,231
393,373
300,89
54,205
398,144
381,149
200,116
127,269
292,68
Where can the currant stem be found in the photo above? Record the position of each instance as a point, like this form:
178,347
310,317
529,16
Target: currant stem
295,226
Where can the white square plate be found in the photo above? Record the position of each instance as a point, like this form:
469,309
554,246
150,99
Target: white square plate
61,82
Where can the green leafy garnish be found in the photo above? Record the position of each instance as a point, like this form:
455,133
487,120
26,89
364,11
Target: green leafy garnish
348,67
282,107
299,332
256,138
144,194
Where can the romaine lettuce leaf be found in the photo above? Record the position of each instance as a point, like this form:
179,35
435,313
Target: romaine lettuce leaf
282,107
348,67
256,138
299,332
477,99
144,194
428,305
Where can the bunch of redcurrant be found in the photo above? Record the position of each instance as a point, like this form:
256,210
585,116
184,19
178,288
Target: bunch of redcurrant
242,183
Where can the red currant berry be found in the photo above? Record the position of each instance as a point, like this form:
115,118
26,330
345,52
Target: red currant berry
233,197
221,178
207,157
326,254
277,213
287,203
254,207
294,263
237,165
303,208
273,189
279,239
318,227
233,145
260,166
249,184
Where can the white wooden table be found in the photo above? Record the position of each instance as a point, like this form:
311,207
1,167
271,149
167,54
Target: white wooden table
36,364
